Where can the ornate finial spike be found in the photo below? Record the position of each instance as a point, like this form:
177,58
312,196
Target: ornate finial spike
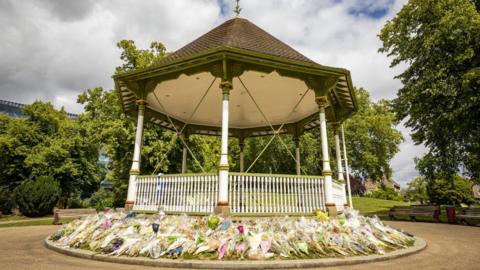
237,9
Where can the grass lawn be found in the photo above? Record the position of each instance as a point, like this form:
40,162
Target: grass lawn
34,222
368,206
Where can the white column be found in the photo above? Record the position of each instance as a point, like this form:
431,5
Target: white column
184,159
241,144
135,170
346,169
326,172
297,155
223,168
338,153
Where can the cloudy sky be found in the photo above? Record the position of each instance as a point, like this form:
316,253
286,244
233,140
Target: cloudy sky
53,50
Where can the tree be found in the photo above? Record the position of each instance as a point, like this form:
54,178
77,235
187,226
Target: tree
440,191
438,41
37,198
114,133
372,139
134,58
47,142
417,190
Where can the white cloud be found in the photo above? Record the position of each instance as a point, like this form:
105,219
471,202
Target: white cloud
54,50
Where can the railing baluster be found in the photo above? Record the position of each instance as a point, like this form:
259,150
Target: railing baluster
177,193
237,193
170,194
210,187
297,197
149,193
289,192
188,192
215,194
277,197
197,197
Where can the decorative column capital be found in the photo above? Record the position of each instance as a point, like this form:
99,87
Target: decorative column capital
336,128
296,139
241,144
141,102
226,86
322,101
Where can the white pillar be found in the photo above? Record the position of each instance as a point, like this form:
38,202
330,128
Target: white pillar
338,153
184,159
135,170
346,169
241,144
297,155
226,86
326,172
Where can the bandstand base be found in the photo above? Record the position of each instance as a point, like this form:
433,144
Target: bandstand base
128,206
331,209
223,210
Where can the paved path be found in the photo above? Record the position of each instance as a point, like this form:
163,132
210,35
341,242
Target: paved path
449,247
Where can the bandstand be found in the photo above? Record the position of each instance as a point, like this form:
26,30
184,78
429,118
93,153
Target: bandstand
239,81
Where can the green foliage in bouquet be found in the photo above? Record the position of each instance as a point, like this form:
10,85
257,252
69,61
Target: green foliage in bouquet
37,198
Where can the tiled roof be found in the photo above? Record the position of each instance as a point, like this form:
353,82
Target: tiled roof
241,34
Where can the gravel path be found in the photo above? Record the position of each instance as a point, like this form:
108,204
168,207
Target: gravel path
449,247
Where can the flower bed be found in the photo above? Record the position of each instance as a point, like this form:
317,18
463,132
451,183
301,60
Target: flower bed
214,237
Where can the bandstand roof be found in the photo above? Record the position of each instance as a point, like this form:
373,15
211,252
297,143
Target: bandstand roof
265,72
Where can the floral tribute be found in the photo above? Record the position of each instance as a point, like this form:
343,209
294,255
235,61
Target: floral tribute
217,238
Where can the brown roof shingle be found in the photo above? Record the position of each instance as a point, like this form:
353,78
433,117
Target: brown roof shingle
242,34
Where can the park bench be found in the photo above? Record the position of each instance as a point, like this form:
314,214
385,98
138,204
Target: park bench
71,213
468,213
415,211
425,211
399,211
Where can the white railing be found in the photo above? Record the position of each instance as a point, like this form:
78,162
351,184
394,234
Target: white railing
338,195
257,193
248,193
189,193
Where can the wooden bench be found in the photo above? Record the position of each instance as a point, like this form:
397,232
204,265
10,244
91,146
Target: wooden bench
415,211
468,213
399,211
425,211
71,213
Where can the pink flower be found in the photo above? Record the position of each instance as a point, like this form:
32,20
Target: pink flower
240,248
221,250
240,229
265,246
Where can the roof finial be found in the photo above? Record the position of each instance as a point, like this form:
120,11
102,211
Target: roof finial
237,9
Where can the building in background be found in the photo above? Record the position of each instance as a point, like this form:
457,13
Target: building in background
371,186
14,109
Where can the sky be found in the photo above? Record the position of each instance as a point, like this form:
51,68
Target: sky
53,50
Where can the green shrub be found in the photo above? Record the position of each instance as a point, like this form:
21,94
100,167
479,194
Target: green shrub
6,201
78,202
445,192
101,199
37,198
385,193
